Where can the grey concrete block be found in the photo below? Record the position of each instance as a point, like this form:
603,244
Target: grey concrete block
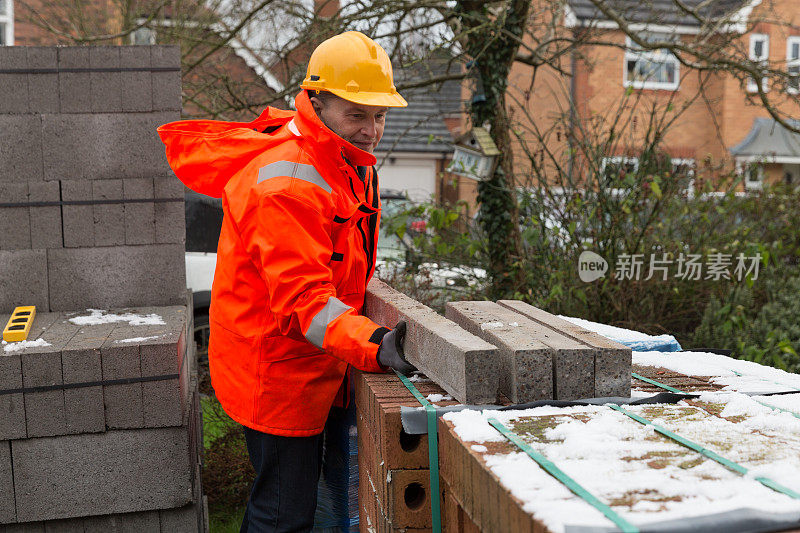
166,88
116,276
137,92
464,365
74,88
183,520
21,148
162,403
81,363
15,227
13,87
42,87
170,217
165,56
526,371
123,403
145,522
14,93
45,222
12,406
106,87
116,471
41,366
137,88
13,57
135,57
612,360
8,508
23,279
78,220
102,146
109,219
140,222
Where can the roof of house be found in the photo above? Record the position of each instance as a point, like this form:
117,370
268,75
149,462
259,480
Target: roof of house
655,11
420,127
768,138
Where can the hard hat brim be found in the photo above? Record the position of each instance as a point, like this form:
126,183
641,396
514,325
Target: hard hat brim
369,98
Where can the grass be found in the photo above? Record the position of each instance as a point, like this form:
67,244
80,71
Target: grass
227,474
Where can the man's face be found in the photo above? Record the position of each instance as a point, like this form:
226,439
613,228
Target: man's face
360,125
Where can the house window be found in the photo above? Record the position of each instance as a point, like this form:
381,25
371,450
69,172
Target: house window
651,69
683,170
753,175
6,23
759,53
793,64
614,169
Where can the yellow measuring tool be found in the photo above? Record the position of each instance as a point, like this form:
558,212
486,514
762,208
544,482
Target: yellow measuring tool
19,325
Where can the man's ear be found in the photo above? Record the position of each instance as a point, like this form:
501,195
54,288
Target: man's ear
317,104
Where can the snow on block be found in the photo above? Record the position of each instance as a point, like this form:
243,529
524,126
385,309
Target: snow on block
612,371
644,477
464,365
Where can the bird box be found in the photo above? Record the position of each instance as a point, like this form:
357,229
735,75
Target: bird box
474,155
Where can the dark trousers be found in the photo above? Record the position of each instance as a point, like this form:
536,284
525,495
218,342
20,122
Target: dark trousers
284,494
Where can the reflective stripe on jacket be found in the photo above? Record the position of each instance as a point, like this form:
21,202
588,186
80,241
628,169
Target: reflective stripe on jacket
295,253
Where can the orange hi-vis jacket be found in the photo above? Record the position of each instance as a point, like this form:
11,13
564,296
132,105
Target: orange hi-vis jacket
295,253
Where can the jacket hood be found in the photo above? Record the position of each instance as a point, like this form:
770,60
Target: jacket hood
206,154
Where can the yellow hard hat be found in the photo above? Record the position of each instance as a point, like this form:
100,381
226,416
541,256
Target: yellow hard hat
354,67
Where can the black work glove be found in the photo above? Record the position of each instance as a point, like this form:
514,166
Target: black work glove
390,352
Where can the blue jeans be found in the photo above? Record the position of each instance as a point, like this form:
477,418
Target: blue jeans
284,493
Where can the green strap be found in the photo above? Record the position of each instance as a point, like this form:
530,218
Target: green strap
656,383
672,389
433,452
565,480
736,467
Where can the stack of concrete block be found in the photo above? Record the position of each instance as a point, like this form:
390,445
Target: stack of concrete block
90,213
103,419
101,427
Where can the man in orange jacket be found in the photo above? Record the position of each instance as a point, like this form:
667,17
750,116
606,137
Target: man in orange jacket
296,251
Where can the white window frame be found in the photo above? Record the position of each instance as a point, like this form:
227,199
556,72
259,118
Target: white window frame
618,160
793,62
754,39
7,20
746,167
654,56
152,36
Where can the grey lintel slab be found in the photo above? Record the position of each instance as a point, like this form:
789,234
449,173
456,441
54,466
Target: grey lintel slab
527,369
612,359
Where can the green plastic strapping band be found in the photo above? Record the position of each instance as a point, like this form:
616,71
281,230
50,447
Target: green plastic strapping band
656,383
549,467
736,467
433,453
672,389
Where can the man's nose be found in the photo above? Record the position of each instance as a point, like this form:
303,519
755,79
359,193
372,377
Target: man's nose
369,128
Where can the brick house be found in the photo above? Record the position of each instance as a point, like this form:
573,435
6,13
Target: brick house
722,129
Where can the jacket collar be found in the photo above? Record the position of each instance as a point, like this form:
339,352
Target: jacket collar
311,127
